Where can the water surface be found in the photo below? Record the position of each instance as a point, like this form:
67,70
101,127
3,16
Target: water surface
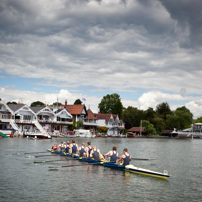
23,180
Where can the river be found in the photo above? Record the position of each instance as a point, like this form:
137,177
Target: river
23,180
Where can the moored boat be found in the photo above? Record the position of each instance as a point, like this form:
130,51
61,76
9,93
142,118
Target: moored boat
83,133
3,135
37,135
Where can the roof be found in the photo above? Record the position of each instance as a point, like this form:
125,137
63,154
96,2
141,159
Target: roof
137,129
91,115
76,109
106,117
36,109
15,107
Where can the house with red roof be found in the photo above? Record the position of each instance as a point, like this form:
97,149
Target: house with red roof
77,111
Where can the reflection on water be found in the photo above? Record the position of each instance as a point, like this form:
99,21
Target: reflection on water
23,180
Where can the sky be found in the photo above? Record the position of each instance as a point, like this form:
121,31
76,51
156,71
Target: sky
146,51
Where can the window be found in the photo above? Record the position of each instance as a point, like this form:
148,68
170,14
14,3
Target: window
27,117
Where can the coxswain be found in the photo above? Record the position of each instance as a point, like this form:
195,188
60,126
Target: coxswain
126,157
88,149
95,153
73,147
113,155
82,152
67,146
54,147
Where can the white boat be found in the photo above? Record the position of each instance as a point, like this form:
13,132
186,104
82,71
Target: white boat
194,132
83,133
37,135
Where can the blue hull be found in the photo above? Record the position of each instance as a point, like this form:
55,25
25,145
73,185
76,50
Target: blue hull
113,165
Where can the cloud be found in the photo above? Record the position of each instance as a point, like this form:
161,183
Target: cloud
27,97
103,46
146,100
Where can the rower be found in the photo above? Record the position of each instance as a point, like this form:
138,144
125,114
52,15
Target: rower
88,149
73,147
113,155
95,153
82,151
61,146
54,147
126,157
67,147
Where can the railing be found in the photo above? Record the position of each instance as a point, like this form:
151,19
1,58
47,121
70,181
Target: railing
64,122
90,124
52,121
6,120
23,121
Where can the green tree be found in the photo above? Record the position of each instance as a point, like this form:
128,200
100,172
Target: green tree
149,127
159,124
163,110
11,103
103,129
198,120
180,119
111,104
79,124
37,104
77,102
133,116
57,104
150,115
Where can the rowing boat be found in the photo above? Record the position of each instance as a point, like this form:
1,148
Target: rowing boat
137,170
128,168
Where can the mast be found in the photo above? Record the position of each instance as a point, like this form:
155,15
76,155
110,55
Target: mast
141,127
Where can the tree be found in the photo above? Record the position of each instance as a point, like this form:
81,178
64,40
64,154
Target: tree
149,127
77,102
57,104
37,104
198,120
150,115
163,109
133,116
11,103
111,104
79,124
103,129
128,124
180,119
159,124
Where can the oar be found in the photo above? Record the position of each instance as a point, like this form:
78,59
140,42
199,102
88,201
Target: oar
140,159
49,161
35,152
47,155
40,156
82,164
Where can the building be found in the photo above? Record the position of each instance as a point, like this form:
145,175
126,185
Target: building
44,119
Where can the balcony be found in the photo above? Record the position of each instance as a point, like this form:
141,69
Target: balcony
90,123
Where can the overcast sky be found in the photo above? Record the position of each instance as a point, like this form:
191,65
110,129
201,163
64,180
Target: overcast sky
147,51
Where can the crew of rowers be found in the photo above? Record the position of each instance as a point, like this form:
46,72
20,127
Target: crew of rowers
93,152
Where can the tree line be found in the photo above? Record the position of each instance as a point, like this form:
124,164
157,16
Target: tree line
154,120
